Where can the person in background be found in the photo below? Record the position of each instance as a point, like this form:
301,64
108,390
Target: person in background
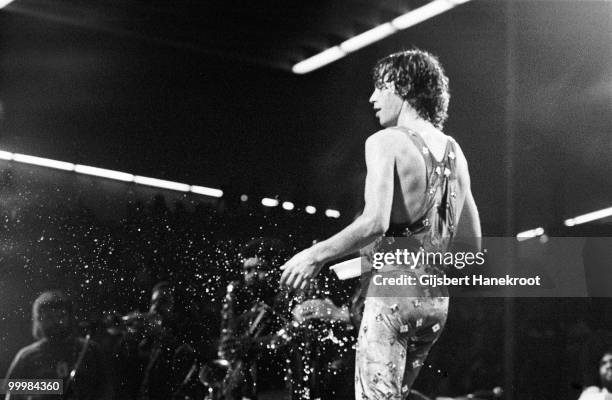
59,354
604,390
253,310
158,356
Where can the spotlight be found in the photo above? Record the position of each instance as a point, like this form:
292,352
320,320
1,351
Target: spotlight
287,205
332,213
310,209
206,191
268,202
532,233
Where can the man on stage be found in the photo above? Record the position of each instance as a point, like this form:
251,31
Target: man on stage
417,189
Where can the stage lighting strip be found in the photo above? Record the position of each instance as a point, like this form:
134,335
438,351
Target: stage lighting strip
581,219
211,192
592,216
142,180
287,205
109,174
380,32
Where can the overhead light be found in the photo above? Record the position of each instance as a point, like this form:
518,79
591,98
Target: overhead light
207,191
368,37
160,183
318,60
332,213
268,202
310,209
109,174
592,216
287,205
244,197
43,162
422,13
104,173
532,233
373,35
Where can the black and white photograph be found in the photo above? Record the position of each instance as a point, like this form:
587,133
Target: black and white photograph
306,200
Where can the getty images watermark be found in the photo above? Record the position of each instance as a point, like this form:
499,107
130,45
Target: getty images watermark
458,260
556,267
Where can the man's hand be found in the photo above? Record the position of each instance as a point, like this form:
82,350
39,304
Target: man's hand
323,309
300,269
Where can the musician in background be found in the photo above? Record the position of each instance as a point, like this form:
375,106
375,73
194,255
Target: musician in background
251,314
322,355
158,358
59,354
604,391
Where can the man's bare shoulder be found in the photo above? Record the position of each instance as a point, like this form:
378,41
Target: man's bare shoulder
392,142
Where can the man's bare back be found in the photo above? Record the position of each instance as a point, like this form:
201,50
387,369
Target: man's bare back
410,191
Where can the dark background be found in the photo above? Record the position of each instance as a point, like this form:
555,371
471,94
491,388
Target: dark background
530,104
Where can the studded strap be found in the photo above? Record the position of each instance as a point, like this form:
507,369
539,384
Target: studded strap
440,176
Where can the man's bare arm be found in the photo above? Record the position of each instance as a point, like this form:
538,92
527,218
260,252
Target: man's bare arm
372,223
469,234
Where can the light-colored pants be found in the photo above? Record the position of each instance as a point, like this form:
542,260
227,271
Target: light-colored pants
395,337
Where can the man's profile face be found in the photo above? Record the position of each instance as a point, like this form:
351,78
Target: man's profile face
387,104
252,270
605,369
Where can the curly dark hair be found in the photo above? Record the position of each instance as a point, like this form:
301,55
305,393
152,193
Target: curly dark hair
418,78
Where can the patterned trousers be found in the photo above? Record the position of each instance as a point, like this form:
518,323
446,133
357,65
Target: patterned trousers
395,337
